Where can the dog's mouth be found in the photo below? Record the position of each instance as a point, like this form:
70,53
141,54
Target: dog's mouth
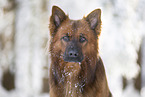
73,59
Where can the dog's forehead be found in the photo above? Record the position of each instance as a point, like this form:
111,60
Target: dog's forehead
75,26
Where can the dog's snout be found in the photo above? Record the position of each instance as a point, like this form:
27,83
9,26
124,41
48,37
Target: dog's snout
73,53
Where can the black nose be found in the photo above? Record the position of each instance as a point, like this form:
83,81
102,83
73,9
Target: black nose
73,53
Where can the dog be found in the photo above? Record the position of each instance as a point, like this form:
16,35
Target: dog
76,68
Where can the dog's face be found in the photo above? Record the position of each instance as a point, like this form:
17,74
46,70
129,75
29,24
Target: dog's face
74,40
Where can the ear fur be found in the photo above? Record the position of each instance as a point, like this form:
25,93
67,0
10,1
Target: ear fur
57,17
94,19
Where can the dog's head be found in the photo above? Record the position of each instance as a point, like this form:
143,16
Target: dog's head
74,40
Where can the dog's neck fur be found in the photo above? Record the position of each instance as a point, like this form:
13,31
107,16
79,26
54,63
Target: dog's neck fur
75,77
73,85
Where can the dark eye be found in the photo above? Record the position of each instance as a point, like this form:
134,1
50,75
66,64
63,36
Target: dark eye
65,38
82,39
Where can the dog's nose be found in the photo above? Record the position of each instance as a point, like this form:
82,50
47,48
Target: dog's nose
73,53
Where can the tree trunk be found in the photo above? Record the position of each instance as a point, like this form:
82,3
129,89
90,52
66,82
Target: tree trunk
143,63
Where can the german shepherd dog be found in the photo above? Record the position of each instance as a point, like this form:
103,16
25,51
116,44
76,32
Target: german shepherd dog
76,68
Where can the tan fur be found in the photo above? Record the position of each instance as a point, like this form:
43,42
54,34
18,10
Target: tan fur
72,79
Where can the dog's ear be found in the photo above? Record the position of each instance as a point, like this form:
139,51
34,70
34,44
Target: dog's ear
94,19
57,17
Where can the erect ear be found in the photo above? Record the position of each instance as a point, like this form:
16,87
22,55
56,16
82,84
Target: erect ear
94,18
57,17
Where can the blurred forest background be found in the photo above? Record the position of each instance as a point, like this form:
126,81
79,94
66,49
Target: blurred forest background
24,43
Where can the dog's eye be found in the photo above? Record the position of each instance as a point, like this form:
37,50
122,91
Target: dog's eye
82,39
66,38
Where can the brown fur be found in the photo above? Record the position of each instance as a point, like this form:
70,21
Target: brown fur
76,79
